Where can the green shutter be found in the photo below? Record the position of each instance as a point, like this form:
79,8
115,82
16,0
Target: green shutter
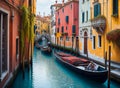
82,17
115,6
99,9
95,10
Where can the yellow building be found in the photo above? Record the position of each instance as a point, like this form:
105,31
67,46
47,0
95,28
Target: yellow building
34,6
105,17
43,24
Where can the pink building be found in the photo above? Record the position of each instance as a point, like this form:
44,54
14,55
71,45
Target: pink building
67,21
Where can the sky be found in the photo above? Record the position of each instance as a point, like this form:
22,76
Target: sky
43,6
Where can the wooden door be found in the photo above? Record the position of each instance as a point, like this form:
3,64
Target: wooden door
85,43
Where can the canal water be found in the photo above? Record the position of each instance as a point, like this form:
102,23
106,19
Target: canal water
47,72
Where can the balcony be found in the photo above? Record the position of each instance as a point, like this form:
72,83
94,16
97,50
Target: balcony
99,24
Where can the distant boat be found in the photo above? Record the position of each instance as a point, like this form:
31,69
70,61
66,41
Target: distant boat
46,49
83,67
38,46
43,38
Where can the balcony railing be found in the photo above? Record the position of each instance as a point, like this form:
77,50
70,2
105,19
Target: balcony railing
99,24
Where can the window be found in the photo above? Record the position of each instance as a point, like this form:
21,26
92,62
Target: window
63,10
67,38
30,3
73,29
17,47
83,1
99,41
93,42
3,44
61,38
58,30
38,23
83,17
86,15
71,6
59,21
97,9
62,29
115,6
67,19
66,27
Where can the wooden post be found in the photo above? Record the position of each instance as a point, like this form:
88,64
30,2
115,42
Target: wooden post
87,54
109,69
64,43
106,60
72,43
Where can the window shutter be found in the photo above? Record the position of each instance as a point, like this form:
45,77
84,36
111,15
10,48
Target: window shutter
115,6
95,10
99,9
67,19
82,17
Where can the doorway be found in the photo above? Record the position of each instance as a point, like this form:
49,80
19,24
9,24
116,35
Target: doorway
85,42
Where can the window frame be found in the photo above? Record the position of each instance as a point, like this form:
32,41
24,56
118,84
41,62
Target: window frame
99,41
94,42
17,48
3,74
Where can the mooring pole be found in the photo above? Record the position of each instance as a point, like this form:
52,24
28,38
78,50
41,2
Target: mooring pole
109,69
106,60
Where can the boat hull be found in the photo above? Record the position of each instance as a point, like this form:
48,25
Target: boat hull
100,77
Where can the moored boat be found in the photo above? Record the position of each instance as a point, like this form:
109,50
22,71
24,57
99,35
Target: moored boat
46,49
83,67
38,46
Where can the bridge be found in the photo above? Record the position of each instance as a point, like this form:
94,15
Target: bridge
39,37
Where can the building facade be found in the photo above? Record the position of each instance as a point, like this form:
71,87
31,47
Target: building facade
67,23
85,28
9,38
104,17
43,24
52,30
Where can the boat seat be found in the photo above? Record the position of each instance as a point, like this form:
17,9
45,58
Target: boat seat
92,66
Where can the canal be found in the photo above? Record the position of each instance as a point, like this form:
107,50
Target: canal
47,72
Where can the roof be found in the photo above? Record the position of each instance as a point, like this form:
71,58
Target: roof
45,19
67,3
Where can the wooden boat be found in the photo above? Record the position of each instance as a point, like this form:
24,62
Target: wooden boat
38,46
83,67
46,49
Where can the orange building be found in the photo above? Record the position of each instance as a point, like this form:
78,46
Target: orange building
9,38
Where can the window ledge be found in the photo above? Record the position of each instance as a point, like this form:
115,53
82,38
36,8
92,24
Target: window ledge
99,47
115,15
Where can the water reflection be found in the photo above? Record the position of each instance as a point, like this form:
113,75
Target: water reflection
47,72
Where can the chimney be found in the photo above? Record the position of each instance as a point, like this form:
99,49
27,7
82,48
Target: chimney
62,2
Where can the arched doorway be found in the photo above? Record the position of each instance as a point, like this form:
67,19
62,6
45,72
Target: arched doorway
85,42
